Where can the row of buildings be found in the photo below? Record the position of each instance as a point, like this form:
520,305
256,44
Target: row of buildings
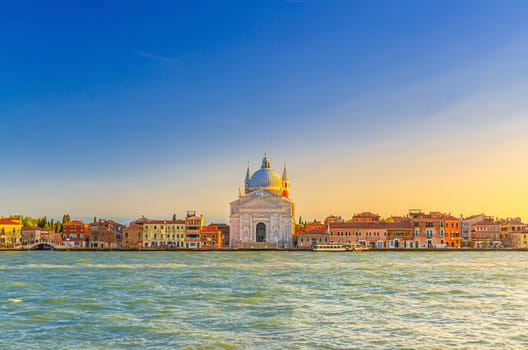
416,230
263,217
109,234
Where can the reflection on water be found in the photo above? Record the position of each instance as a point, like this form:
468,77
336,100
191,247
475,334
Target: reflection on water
268,300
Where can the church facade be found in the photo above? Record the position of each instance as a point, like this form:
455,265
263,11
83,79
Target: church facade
262,216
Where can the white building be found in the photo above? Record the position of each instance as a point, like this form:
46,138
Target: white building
262,217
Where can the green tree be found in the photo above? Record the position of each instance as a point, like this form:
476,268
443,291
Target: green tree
42,222
25,220
173,217
66,218
95,220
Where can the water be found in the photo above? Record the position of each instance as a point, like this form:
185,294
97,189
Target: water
264,300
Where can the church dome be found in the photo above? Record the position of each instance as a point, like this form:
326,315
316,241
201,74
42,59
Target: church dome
265,178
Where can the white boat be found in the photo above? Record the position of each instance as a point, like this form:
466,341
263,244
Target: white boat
329,248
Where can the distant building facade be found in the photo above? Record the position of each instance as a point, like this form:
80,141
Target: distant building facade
10,232
105,234
133,236
164,233
193,228
75,234
210,237
310,238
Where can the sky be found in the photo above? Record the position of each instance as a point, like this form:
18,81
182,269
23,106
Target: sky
120,109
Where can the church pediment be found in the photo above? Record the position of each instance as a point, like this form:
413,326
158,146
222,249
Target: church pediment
264,203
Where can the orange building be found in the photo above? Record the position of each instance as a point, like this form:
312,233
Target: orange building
452,232
75,234
210,237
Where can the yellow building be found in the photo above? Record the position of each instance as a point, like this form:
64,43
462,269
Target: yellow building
163,233
10,232
508,229
520,240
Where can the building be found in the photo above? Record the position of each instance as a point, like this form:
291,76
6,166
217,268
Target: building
133,236
429,230
224,229
452,232
310,238
210,237
193,228
262,216
486,233
75,234
51,237
366,217
315,226
467,226
10,232
510,227
331,219
30,235
105,234
164,234
400,234
520,240
366,234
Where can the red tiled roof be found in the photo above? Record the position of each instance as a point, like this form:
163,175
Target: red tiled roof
311,232
353,225
9,221
165,222
74,222
366,214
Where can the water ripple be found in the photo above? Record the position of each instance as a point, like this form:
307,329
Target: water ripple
263,300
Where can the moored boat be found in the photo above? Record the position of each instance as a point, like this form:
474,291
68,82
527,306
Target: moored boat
358,249
329,248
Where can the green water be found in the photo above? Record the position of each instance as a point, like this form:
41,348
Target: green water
264,300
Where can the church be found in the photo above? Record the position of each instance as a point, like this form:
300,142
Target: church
262,216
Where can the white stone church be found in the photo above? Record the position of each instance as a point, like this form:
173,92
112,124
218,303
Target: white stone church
262,217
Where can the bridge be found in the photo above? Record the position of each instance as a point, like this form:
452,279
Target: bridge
43,246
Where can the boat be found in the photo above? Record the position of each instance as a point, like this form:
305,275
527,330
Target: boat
329,248
358,249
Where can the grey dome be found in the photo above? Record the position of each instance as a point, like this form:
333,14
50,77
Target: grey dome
265,178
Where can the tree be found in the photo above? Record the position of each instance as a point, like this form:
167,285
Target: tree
174,217
66,218
95,220
25,220
300,220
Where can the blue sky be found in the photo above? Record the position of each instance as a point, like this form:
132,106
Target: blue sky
122,108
